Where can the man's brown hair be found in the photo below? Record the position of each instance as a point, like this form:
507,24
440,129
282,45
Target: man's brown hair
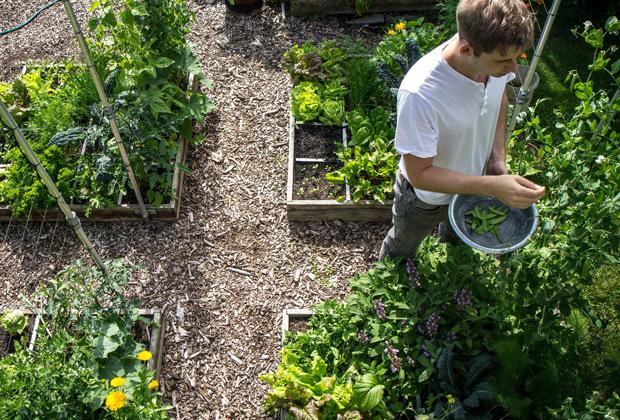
495,24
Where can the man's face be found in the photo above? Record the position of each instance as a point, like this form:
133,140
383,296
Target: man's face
498,62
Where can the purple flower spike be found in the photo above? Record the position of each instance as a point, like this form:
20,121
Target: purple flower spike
462,298
414,276
379,309
432,324
363,337
425,352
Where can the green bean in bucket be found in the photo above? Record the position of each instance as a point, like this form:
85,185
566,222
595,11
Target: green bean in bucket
487,219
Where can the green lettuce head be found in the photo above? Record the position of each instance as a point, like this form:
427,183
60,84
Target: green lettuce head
14,322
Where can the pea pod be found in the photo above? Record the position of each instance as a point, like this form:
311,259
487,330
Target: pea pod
488,219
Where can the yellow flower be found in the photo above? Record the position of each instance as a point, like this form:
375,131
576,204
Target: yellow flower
116,382
144,355
400,26
115,400
391,32
153,384
450,398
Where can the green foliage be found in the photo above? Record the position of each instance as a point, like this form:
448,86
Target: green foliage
304,389
311,63
365,89
470,394
311,101
21,187
394,47
14,322
363,6
596,408
141,53
85,339
447,14
369,158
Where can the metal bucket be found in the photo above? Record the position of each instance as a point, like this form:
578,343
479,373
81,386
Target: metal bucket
513,87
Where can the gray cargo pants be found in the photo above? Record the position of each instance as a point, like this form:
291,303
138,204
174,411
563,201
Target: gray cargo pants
412,221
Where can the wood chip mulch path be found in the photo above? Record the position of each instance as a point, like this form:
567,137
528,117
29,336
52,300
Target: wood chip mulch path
227,268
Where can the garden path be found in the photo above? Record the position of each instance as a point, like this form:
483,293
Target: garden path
225,326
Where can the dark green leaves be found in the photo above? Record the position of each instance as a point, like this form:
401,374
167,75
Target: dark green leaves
367,392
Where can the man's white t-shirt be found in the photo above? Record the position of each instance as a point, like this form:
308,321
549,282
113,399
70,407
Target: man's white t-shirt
446,115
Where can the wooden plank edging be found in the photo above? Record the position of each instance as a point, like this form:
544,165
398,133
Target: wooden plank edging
323,210
287,315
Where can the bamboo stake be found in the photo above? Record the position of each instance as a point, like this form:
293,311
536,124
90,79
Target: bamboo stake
34,160
106,105
525,86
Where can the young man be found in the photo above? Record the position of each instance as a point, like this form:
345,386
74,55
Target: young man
451,119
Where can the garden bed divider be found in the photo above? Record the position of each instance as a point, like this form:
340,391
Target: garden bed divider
287,316
329,7
323,210
156,339
123,212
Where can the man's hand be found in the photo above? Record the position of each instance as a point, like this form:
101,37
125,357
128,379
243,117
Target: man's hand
516,191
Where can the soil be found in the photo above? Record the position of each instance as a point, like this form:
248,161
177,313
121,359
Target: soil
297,324
233,213
309,182
142,333
317,141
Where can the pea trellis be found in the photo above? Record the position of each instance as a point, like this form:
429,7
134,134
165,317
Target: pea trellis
70,216
524,95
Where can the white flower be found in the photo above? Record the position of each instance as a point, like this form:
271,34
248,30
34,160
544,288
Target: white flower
587,23
600,159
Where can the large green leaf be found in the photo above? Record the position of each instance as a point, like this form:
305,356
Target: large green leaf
103,345
367,392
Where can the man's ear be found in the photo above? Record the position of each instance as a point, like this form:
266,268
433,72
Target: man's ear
466,48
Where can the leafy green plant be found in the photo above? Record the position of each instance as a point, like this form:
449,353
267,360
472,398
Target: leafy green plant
369,173
596,407
306,390
145,70
393,49
365,89
311,101
86,362
14,322
369,158
311,63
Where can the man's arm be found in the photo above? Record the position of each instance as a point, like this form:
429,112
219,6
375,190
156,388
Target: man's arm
496,164
512,190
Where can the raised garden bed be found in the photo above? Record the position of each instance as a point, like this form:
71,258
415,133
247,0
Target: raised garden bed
126,208
151,336
7,341
329,7
309,197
